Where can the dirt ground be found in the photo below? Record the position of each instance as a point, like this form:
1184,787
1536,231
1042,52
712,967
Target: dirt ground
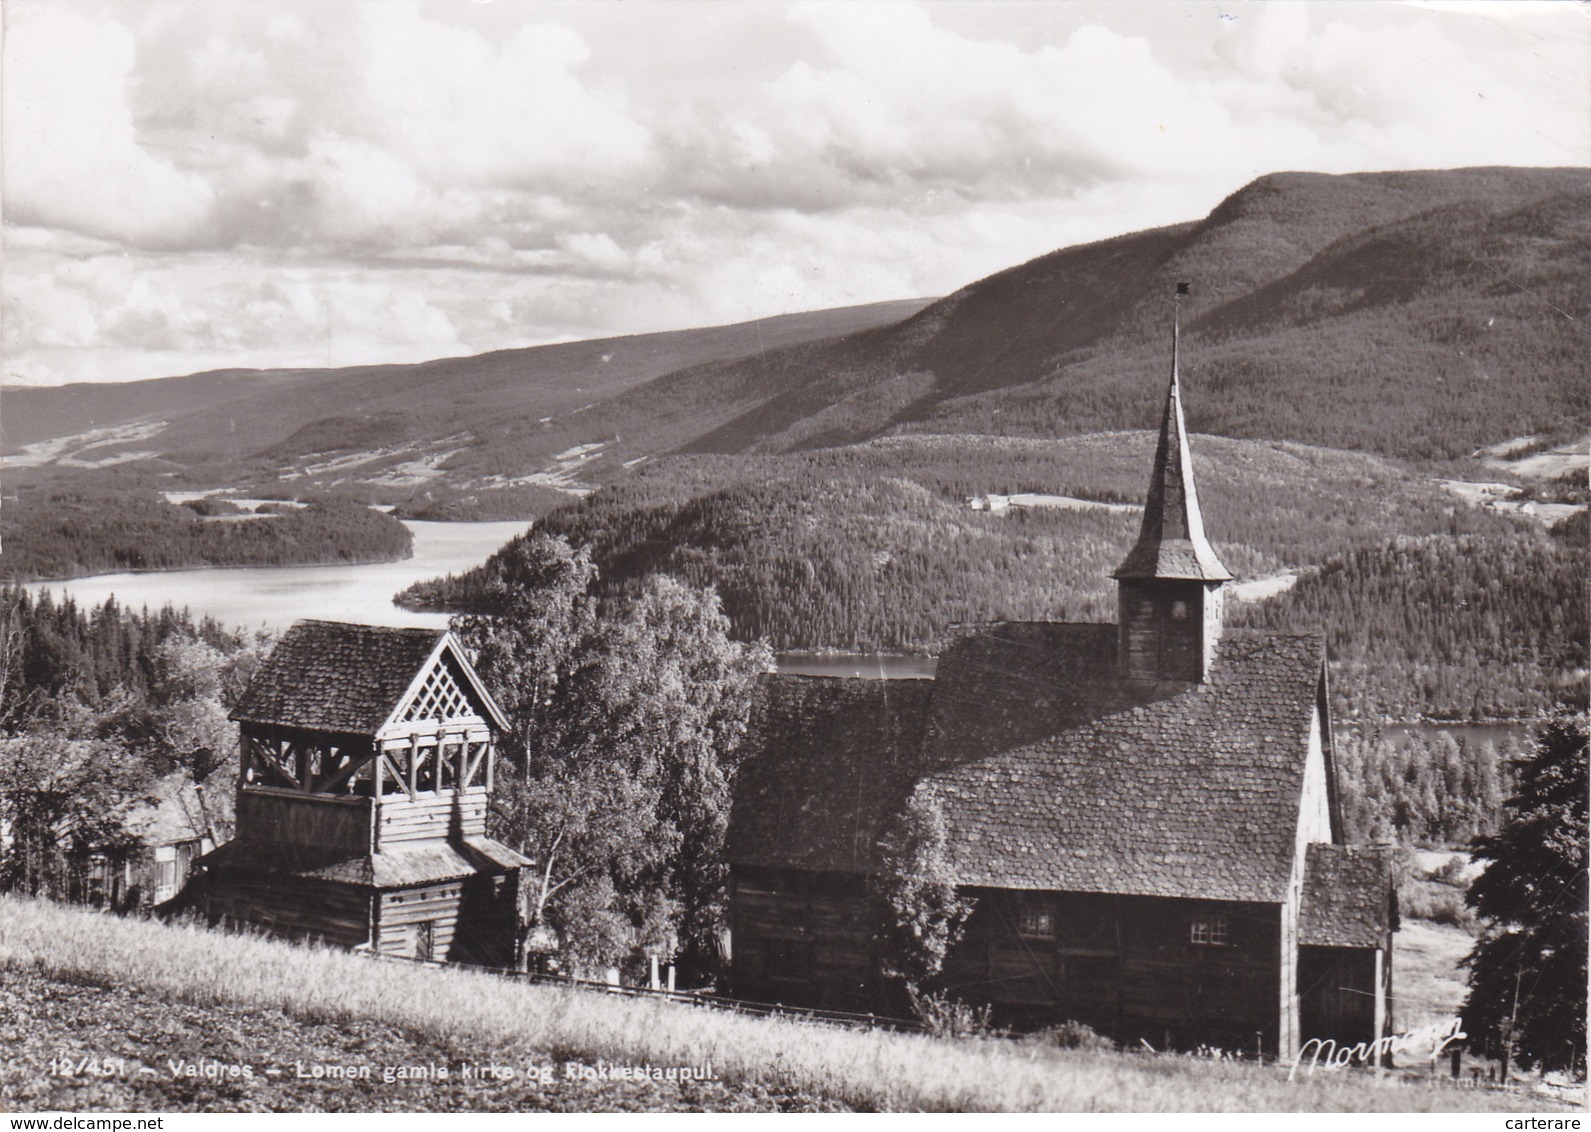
85,1047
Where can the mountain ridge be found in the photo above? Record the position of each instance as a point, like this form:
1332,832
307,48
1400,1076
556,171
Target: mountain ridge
1420,314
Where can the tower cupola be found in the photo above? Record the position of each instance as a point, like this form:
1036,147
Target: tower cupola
1169,587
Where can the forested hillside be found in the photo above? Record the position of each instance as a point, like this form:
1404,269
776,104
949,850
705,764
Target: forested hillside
70,532
1413,314
1481,626
1431,790
1416,315
875,547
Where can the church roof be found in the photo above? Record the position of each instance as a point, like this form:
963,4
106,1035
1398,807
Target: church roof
838,758
1348,892
1192,793
1171,541
347,678
1050,772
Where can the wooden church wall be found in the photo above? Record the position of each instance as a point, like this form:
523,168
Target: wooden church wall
803,939
1125,965
1337,993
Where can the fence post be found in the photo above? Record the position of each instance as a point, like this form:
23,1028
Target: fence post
651,977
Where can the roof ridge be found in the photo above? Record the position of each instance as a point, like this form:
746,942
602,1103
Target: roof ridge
366,626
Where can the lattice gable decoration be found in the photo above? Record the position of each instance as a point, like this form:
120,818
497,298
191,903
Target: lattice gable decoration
446,690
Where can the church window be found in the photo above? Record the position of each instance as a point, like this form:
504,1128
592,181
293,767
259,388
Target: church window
1209,930
1036,920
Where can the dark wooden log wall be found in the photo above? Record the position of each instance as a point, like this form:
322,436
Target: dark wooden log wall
805,939
472,920
1166,626
299,909
1126,966
285,817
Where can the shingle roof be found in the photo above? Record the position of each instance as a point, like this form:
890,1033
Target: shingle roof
1051,773
1347,896
1193,794
420,864
1015,683
1171,541
837,756
333,676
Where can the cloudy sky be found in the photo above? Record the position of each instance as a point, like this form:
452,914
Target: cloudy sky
206,183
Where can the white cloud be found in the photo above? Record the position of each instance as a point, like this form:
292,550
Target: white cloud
229,180
123,317
72,154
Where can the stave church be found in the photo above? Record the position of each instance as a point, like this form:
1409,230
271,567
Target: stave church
1145,816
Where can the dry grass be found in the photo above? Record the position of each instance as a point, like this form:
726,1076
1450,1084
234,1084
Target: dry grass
1428,984
863,1070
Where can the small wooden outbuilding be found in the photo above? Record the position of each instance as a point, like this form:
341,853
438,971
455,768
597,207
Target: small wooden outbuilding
163,832
366,764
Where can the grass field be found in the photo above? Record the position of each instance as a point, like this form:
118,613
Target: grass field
74,980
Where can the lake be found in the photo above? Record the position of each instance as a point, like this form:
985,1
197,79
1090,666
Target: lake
1500,733
859,666
276,596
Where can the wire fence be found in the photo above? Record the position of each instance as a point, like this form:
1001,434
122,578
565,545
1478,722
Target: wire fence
698,998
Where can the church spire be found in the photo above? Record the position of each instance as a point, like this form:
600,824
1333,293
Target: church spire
1169,588
1171,542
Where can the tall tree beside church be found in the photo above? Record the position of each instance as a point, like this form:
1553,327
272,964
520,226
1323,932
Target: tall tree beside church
625,723
58,794
675,692
1527,994
923,913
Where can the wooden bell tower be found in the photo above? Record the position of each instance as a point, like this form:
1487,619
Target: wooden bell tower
366,764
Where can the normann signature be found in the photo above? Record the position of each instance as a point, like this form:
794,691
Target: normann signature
1326,1054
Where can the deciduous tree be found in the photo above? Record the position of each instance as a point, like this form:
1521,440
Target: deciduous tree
625,727
924,913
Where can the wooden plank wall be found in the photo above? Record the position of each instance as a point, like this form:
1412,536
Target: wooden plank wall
1037,982
472,920
427,818
400,911
1187,994
1337,993
1154,644
488,921
289,818
300,909
1126,966
804,939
